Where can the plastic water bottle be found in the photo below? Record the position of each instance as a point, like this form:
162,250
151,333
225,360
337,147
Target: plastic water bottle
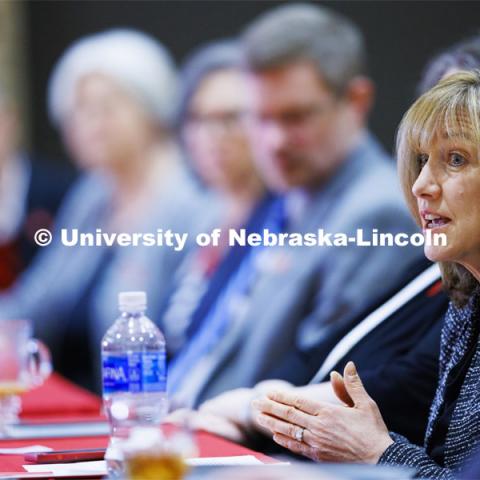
134,375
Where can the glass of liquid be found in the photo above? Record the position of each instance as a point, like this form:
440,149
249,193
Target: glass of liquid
24,363
158,453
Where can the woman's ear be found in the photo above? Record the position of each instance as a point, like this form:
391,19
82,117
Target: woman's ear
360,95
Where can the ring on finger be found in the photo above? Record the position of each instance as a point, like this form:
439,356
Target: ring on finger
299,434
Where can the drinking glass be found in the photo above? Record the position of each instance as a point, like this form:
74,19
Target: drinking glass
24,364
153,453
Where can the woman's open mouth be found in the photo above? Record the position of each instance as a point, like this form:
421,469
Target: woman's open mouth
434,221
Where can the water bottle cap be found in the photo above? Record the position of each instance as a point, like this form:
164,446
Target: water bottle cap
132,301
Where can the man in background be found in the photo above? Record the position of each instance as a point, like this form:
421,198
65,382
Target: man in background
311,98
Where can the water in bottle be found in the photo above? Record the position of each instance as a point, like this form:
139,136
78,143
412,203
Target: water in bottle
134,374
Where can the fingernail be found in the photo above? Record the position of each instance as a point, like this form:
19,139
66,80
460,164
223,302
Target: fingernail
350,369
277,439
334,373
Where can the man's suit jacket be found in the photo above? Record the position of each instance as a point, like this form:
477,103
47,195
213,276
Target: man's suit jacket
230,264
47,185
397,359
301,293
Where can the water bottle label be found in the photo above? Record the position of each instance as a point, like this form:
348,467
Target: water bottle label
134,372
115,373
154,372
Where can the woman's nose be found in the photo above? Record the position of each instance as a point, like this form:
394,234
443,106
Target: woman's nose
426,184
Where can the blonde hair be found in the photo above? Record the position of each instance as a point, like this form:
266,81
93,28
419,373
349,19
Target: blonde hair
452,107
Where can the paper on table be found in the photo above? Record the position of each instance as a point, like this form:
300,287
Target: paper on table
54,430
224,461
29,475
27,449
99,467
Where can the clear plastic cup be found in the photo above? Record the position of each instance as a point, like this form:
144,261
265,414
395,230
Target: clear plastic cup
24,364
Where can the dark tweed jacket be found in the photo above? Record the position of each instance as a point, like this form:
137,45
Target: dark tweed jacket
463,435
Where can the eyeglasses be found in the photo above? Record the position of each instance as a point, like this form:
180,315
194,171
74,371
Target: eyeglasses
221,122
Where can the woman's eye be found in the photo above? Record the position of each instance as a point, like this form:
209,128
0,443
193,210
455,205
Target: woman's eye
456,160
422,159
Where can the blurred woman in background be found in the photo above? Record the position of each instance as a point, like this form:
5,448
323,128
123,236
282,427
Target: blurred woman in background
212,122
112,97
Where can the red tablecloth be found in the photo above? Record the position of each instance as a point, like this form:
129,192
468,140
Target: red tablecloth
60,400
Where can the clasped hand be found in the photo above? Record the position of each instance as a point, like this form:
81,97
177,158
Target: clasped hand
351,432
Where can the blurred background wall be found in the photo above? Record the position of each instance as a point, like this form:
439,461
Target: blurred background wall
13,57
401,37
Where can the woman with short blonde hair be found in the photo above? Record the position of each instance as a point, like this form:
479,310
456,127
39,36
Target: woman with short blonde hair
454,108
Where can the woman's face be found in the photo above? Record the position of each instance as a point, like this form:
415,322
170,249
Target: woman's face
448,196
107,127
215,133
